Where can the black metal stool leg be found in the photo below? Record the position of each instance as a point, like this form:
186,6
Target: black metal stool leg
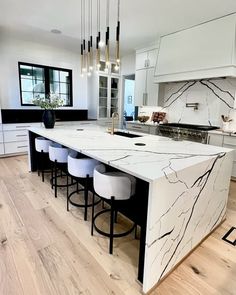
55,171
52,167
92,222
42,165
86,197
111,226
67,191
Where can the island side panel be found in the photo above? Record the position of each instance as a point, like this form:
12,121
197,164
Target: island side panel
184,207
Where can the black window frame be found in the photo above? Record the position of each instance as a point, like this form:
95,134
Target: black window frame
46,81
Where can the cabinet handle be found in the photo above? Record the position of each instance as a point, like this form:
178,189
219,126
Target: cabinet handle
145,97
148,63
21,135
23,126
22,146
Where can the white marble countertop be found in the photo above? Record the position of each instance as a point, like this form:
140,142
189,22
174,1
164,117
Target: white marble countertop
159,157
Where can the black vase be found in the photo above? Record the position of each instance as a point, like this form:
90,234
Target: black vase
49,118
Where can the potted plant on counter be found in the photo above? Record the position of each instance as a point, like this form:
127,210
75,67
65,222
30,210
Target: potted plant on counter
48,103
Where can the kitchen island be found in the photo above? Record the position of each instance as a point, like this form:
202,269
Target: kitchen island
188,186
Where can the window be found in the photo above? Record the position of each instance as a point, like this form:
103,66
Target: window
38,80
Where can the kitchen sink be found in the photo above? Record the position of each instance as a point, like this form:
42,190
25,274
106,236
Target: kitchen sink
130,135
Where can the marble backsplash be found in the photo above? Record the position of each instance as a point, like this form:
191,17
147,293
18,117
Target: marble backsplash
215,97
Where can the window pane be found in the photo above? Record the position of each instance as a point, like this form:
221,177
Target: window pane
26,71
38,86
64,77
27,97
64,88
54,87
65,99
27,85
38,73
54,76
39,94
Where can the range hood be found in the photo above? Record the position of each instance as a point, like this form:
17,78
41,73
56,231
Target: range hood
204,51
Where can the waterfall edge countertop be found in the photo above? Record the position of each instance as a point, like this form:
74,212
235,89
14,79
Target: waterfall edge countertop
188,187
147,162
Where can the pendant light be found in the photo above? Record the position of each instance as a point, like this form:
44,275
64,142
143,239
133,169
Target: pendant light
118,38
98,38
107,47
88,48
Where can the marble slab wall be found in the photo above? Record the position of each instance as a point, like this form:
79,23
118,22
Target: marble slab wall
214,96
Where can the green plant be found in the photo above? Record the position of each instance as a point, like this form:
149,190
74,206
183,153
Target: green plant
51,101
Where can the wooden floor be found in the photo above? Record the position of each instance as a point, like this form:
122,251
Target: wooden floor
46,250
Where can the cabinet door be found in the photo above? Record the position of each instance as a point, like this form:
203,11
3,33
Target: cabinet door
141,60
215,139
103,97
152,88
114,95
152,57
140,87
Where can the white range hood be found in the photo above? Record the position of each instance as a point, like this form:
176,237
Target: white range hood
205,51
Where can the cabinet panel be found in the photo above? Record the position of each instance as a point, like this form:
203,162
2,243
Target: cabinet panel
19,135
231,140
1,149
215,139
16,147
152,57
140,87
138,127
141,60
152,88
19,126
1,137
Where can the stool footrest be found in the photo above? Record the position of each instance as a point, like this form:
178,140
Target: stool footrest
81,205
106,234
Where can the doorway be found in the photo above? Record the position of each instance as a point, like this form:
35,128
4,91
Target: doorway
128,109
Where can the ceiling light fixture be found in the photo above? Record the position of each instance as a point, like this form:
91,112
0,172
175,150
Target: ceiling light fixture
87,45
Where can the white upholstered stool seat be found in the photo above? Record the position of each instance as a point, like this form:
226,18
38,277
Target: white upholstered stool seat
81,168
116,187
42,147
59,157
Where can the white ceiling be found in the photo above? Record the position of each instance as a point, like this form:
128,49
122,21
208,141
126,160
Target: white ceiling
142,22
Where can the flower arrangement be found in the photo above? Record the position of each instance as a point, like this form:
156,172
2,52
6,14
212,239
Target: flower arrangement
50,102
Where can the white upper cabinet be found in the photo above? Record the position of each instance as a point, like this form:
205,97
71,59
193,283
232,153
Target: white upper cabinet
146,59
146,91
204,51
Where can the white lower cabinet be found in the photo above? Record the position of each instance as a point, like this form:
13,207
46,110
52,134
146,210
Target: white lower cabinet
227,142
141,128
15,137
16,147
1,148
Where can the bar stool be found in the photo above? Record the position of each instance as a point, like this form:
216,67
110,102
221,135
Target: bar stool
81,169
58,155
116,188
42,147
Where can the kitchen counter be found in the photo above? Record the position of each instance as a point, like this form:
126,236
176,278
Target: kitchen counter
221,132
188,188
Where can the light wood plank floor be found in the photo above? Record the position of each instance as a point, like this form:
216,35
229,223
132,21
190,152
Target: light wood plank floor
46,250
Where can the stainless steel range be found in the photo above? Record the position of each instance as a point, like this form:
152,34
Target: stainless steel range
179,131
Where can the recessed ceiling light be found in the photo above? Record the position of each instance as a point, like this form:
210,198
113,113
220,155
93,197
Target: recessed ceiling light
55,31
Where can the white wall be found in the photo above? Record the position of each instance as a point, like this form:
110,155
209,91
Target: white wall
215,98
128,64
13,50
